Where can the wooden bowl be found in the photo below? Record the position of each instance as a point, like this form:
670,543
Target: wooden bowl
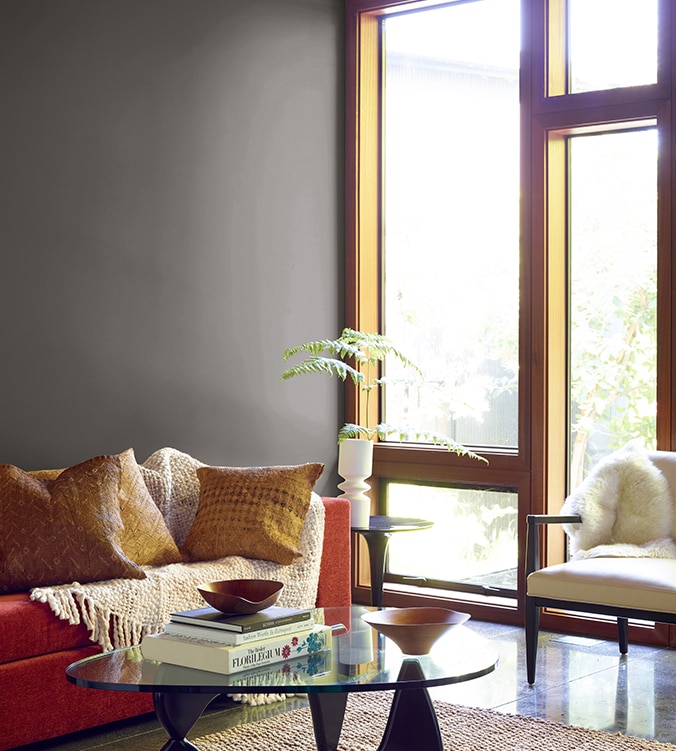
241,595
414,630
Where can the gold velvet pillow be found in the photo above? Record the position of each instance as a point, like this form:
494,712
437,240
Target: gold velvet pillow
45,474
145,538
62,530
255,512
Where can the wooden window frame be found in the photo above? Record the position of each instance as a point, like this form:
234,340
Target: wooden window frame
537,469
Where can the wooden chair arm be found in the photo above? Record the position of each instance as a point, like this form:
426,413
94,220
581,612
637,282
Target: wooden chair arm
533,521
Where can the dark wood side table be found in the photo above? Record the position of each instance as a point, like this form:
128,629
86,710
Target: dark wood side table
377,536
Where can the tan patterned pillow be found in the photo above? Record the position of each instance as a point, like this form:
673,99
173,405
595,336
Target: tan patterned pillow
145,538
46,474
62,530
255,512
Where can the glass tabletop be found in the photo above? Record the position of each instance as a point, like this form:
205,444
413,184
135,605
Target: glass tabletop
360,659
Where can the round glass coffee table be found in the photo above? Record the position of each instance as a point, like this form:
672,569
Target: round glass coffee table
360,659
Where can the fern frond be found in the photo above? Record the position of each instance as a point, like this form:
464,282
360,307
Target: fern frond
350,430
314,348
316,364
377,347
384,430
356,345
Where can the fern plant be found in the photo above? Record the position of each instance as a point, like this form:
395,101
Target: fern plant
364,351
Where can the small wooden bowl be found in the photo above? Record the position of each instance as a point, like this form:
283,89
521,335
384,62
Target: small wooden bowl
414,630
241,595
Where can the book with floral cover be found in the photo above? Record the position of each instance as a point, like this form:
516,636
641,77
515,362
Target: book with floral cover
206,654
316,668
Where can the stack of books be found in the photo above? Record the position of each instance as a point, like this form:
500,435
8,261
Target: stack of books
207,639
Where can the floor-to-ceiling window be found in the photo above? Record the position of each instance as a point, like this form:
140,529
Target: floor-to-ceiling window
612,279
450,150
509,226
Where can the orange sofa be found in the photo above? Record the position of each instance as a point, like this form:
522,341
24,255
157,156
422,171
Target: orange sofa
36,700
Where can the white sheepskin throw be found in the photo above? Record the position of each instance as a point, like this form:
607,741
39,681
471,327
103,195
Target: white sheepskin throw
626,507
655,549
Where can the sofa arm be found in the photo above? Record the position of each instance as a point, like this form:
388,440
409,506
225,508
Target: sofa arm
335,585
533,522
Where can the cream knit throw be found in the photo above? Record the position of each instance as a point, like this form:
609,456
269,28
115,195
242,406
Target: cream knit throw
118,612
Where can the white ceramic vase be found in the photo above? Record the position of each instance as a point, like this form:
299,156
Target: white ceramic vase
355,465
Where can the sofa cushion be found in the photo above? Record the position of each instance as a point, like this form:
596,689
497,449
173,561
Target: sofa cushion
642,583
41,703
29,629
145,538
254,512
62,530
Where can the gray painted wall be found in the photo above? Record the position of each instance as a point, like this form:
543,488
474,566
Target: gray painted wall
171,220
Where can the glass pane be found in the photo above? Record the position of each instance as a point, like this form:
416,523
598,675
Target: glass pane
473,539
613,294
451,218
612,43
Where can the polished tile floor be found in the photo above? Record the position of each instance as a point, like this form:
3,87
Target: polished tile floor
580,681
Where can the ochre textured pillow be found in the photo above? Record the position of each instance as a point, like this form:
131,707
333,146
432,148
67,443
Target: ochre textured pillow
62,530
255,512
145,538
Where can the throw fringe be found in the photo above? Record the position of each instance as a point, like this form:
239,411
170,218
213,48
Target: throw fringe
97,604
255,700
119,612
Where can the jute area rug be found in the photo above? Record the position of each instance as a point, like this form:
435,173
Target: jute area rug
462,729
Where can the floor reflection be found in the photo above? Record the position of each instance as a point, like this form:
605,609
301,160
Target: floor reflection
580,681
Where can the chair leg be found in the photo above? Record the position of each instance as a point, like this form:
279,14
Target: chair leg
532,628
623,634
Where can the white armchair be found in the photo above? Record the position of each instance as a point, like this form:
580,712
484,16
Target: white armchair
621,525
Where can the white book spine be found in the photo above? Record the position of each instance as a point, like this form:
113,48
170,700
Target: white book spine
204,654
233,637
